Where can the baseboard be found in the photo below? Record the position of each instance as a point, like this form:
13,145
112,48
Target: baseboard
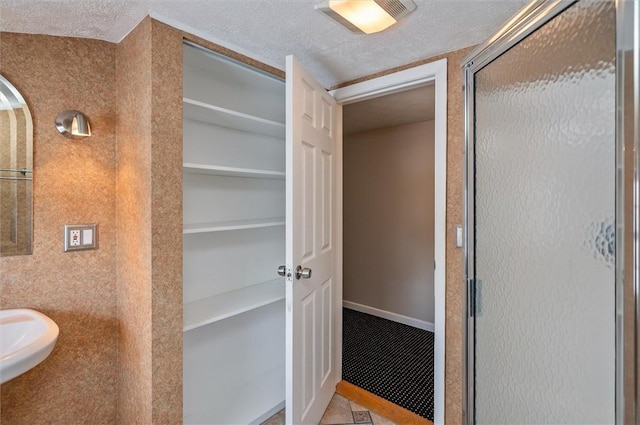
379,405
416,323
269,413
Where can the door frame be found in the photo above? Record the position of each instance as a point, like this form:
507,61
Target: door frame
433,72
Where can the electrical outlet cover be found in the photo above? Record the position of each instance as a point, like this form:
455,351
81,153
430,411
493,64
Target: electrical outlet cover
80,237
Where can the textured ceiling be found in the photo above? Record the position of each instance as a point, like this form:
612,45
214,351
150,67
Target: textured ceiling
268,30
407,107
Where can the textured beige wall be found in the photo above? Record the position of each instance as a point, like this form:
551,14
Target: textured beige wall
454,273
631,114
74,182
455,319
149,199
134,226
388,219
166,224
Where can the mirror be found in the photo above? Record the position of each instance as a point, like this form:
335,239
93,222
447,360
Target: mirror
16,172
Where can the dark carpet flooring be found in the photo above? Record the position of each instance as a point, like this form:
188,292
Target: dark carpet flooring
389,359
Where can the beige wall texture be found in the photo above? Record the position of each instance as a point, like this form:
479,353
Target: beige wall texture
118,358
149,205
134,226
389,219
454,256
166,223
74,182
630,130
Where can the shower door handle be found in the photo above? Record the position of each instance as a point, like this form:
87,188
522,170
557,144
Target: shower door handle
303,273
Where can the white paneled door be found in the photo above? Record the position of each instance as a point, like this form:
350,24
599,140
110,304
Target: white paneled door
314,290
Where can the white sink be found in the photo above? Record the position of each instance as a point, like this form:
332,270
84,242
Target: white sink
26,339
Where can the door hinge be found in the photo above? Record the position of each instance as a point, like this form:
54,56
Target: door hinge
471,297
474,297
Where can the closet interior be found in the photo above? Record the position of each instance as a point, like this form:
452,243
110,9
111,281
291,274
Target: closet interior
234,240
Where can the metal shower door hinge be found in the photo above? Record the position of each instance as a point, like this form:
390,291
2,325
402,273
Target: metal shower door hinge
474,297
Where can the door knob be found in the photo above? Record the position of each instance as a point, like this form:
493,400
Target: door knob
303,273
282,271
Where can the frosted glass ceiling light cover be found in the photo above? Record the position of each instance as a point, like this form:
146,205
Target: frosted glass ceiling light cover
366,16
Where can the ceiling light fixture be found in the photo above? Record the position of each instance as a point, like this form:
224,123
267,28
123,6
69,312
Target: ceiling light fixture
366,16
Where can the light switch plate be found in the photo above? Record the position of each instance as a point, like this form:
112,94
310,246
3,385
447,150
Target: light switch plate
79,237
459,236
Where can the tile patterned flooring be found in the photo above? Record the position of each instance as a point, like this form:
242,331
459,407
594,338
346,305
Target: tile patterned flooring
341,411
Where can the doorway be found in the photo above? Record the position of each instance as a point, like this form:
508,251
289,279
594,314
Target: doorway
426,81
388,273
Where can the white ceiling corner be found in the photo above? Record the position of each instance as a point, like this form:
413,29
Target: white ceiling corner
268,30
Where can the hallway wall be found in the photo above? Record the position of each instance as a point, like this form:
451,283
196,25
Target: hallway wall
389,219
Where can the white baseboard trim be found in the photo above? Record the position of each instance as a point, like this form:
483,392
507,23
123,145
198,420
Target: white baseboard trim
416,323
269,413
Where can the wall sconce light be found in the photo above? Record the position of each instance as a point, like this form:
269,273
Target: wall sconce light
366,16
73,124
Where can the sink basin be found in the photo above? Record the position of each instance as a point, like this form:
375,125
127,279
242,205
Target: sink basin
26,339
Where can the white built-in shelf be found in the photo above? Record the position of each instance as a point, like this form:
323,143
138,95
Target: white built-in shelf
220,170
212,309
223,117
221,226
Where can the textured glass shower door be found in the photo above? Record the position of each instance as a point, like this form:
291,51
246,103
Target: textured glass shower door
542,225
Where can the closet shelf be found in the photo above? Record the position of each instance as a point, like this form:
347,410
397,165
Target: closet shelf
220,170
212,309
223,117
221,226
